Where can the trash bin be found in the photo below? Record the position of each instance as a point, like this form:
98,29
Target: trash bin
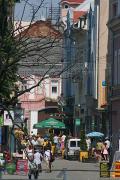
11,168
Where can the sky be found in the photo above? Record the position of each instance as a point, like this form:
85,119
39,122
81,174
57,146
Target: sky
42,13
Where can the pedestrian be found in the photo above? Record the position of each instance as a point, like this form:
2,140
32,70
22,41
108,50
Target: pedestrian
55,138
63,137
30,152
105,152
56,141
99,148
47,158
34,141
88,142
107,141
40,140
38,160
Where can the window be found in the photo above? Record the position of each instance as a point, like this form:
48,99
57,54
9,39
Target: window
78,143
54,85
66,6
54,89
72,143
115,9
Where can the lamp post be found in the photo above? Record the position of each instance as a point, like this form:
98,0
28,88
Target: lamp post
18,120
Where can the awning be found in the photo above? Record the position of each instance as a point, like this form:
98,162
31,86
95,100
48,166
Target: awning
50,123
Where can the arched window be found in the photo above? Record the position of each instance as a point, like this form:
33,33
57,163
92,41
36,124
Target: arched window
66,6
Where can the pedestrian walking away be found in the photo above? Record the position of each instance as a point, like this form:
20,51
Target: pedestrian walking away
48,159
38,160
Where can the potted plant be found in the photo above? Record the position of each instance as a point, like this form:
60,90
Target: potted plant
83,146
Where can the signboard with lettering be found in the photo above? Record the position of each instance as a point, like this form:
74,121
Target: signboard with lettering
22,167
104,169
77,122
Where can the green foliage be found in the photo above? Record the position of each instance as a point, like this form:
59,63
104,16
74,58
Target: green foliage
8,54
83,144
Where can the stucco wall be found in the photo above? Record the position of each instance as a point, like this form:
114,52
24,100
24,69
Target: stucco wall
103,50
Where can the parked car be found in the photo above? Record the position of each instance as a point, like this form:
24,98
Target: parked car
72,148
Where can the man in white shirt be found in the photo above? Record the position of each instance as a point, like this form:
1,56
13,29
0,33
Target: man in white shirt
34,141
38,160
55,139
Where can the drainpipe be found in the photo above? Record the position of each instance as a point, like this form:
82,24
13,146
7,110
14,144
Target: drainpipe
110,96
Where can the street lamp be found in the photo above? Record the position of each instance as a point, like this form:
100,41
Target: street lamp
17,123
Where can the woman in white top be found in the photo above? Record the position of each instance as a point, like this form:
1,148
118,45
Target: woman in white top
47,156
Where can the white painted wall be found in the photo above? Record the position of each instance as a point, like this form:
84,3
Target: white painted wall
33,120
47,87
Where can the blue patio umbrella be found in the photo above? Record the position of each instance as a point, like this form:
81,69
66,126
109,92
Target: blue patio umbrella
95,134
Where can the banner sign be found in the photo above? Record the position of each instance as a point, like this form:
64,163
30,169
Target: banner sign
22,167
117,169
104,169
7,119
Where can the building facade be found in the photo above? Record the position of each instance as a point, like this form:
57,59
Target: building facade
101,55
114,59
79,82
43,62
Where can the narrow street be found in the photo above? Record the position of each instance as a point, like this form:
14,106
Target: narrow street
67,170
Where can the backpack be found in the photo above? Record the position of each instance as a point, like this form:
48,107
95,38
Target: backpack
32,165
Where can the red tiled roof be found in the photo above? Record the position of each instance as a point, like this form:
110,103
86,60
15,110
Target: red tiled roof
78,14
73,1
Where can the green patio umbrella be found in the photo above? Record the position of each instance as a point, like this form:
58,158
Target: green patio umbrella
50,123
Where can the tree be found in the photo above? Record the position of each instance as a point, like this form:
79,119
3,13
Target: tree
19,50
83,144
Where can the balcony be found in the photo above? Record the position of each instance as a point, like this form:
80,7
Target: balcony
114,21
114,24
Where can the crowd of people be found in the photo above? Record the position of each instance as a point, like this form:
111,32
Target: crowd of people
39,149
100,148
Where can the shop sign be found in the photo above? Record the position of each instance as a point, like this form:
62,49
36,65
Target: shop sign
104,84
104,169
77,122
117,169
22,167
